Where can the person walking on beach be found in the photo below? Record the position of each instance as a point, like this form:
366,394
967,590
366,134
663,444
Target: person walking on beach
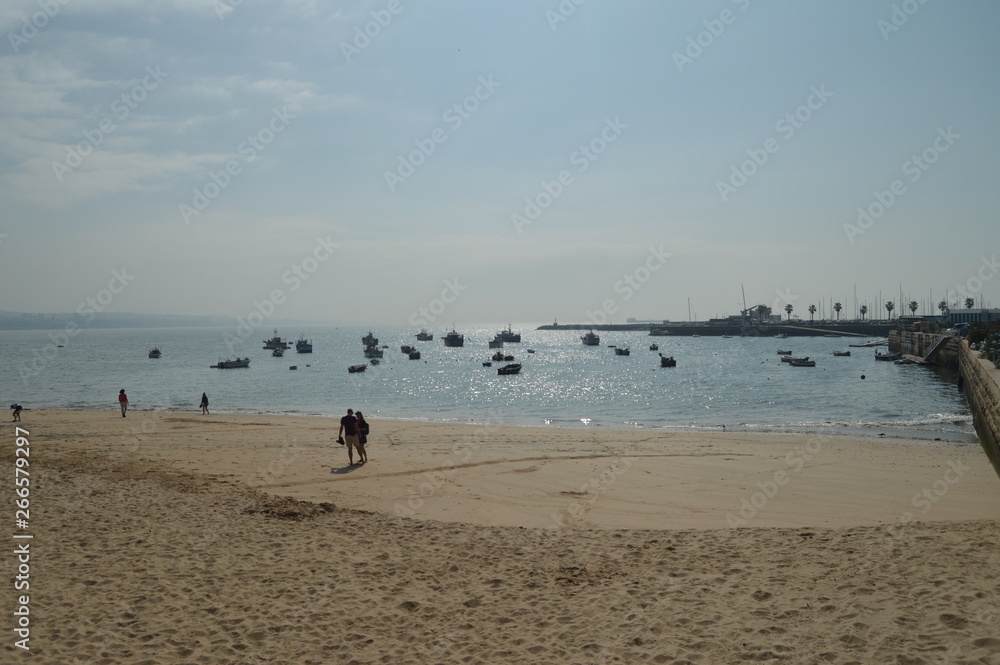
349,430
123,401
204,404
363,430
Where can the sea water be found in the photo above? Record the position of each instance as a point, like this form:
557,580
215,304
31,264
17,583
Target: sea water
733,383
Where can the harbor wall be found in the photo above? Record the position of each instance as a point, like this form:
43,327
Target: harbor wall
981,382
918,343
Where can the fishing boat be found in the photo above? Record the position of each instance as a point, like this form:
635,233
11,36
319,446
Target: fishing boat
621,351
667,361
275,342
487,363
354,369
507,357
497,356
369,339
303,345
513,368
531,350
789,359
454,339
406,348
654,347
154,353
372,351
277,352
232,364
413,355
509,335
590,339
374,361
424,336
888,356
497,342
841,353
798,362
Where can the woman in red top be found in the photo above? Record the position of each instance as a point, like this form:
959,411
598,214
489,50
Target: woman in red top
123,401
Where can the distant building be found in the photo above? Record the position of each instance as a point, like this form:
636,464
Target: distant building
972,316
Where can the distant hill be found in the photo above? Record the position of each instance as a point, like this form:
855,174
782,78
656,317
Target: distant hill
34,321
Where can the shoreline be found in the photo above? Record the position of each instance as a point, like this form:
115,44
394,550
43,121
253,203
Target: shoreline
500,475
885,431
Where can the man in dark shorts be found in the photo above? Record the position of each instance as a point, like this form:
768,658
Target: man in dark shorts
349,430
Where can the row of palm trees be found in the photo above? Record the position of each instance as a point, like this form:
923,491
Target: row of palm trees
763,311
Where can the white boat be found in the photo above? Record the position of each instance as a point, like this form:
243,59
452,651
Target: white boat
590,339
232,364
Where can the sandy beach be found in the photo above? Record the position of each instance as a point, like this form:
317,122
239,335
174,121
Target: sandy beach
179,538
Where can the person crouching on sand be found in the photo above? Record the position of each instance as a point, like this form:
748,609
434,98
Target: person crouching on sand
17,411
123,401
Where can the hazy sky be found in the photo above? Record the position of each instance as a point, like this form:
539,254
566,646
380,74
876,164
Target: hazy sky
506,161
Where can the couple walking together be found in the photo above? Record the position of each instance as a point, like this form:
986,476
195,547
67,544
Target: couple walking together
354,434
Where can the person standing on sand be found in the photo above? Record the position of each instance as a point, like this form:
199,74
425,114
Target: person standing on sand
123,401
204,404
363,430
349,430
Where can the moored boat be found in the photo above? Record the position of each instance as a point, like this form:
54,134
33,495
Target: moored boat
654,347
414,355
888,356
667,361
454,339
513,368
275,342
406,348
373,352
354,369
788,359
369,339
497,342
590,339
155,352
498,356
841,353
303,345
277,352
424,336
621,351
799,362
232,364
784,353
509,335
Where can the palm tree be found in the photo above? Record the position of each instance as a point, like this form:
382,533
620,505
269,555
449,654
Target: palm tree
889,306
863,310
913,306
970,303
812,310
763,313
788,310
943,306
837,307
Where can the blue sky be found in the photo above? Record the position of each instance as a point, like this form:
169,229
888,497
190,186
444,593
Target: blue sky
516,161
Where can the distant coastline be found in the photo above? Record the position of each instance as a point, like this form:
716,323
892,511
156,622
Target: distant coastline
709,328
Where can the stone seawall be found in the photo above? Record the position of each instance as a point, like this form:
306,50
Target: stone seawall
980,377
982,388
917,344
